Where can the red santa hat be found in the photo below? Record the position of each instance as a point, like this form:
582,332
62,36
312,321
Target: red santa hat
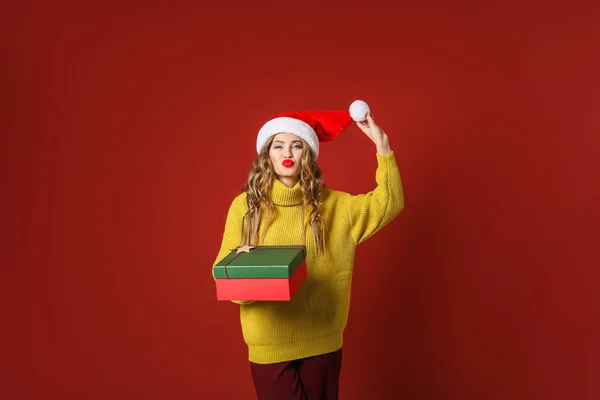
312,126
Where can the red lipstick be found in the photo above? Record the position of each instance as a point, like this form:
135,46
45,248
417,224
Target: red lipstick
287,163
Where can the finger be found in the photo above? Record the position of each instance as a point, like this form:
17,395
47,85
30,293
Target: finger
362,126
370,119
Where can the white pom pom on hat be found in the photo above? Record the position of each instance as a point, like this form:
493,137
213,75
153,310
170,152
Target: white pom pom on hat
312,126
359,110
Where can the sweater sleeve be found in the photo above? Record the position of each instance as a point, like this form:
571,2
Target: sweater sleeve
232,235
371,211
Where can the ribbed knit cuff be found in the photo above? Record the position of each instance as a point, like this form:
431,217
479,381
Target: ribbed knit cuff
384,159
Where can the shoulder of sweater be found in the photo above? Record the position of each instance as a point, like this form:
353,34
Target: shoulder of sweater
239,202
334,195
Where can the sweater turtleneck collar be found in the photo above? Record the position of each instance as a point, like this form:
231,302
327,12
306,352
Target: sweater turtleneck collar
281,195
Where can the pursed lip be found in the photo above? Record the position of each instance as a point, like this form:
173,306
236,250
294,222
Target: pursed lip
287,163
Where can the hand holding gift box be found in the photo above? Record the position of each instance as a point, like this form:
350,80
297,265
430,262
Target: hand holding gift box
273,273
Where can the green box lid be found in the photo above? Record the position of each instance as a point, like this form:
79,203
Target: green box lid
261,262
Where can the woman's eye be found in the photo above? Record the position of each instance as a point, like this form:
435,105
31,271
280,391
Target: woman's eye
296,146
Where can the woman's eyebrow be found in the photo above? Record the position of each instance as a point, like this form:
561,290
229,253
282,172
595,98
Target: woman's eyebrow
282,142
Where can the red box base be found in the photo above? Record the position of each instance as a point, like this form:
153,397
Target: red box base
280,289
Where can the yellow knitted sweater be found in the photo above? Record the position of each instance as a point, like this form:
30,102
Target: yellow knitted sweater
313,322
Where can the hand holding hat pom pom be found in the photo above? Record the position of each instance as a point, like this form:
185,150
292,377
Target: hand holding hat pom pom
359,110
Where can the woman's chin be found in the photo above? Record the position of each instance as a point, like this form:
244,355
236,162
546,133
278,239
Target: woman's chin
287,174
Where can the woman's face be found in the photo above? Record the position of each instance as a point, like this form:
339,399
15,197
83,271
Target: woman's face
286,156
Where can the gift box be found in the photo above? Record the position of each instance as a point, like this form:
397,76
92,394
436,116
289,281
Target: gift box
273,273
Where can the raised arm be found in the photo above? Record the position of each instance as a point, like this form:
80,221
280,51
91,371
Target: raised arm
372,211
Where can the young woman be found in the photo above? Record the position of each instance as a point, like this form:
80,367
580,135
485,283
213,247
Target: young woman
295,347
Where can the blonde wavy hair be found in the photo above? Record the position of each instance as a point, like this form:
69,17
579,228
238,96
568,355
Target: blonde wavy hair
258,187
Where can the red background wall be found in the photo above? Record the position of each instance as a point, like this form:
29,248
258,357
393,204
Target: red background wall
128,128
